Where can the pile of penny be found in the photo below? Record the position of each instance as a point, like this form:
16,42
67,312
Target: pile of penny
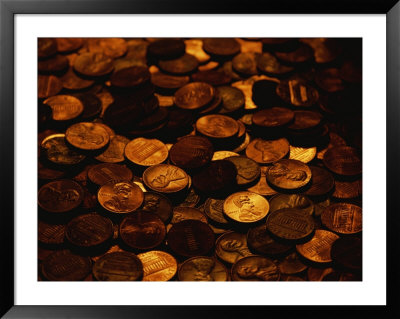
205,159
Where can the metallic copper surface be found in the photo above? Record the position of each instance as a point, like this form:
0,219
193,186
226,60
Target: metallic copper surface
260,241
87,136
114,152
347,190
273,117
232,246
202,268
219,155
262,187
106,173
194,95
322,182
302,154
48,85
51,234
318,249
57,152
214,209
291,265
247,170
297,201
157,204
68,44
297,93
343,218
267,151
130,77
158,266
217,126
347,253
146,152
93,64
183,213
64,107
166,81
221,46
233,99
165,178
343,160
111,47
255,268
185,64
289,174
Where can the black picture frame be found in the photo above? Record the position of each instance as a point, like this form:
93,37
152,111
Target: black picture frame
8,10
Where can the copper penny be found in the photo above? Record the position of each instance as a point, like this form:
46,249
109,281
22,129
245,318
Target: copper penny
122,197
64,107
146,152
194,95
343,218
93,64
290,224
191,238
112,47
255,268
343,160
262,187
130,77
106,173
167,48
118,266
269,64
302,154
247,170
322,182
347,190
297,92
114,152
72,81
302,54
202,268
157,204
220,155
214,209
246,207
297,201
246,63
329,80
62,265
273,117
50,234
267,151
166,81
165,178
68,44
289,174
183,213
89,230
58,152
185,64
233,99
318,248
48,85
291,265
158,266
305,120
142,230
221,46
217,126
232,246
191,152
87,136
260,241
60,196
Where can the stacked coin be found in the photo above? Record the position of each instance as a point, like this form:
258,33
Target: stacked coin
218,159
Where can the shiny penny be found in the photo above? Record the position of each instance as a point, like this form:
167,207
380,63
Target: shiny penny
194,95
105,173
289,174
343,218
165,178
302,154
158,266
217,126
64,107
246,207
318,248
267,151
219,155
255,268
232,246
202,268
121,198
87,136
146,152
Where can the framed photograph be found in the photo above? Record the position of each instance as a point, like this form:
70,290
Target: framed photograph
166,159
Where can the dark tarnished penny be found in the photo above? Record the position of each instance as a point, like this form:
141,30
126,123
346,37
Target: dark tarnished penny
68,44
343,218
273,117
58,152
71,81
185,64
232,246
183,213
221,172
267,151
55,64
142,230
89,230
247,170
157,204
146,152
118,266
297,201
166,48
214,209
191,152
269,64
191,200
194,95
51,234
105,173
233,99
49,173
46,47
262,187
92,106
60,196
246,63
62,265
343,160
347,190
190,238
93,64
87,136
260,241
130,77
297,92
221,46
165,178
115,150
318,248
213,77
305,120
291,265
329,80
246,207
346,252
290,224
255,268
322,182
158,266
112,47
48,85
302,54
121,197
64,107
166,81
202,268
289,174
217,126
